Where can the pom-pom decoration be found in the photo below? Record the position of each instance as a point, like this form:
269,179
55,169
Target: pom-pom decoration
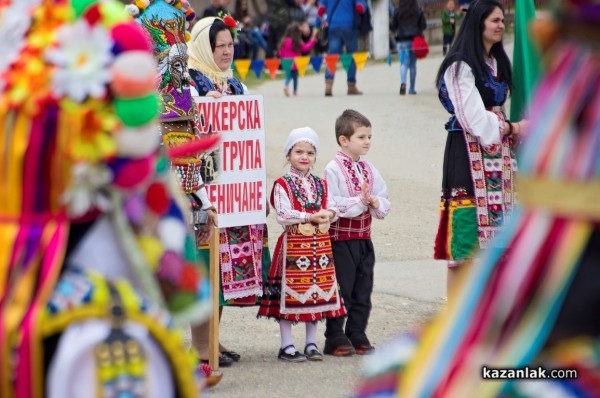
80,6
137,111
171,231
128,37
133,74
130,173
138,142
157,198
132,10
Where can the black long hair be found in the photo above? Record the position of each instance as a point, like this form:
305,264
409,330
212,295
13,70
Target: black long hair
215,28
468,46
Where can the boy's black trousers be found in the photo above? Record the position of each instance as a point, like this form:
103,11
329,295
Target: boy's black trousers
354,264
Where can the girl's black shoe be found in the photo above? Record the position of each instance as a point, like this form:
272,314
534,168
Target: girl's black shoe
295,357
312,352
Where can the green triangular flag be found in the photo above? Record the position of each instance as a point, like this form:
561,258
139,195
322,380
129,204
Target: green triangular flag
286,64
346,61
526,60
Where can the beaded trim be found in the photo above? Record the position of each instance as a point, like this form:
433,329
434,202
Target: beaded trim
188,176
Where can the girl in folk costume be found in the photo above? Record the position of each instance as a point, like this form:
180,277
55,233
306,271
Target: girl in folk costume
302,286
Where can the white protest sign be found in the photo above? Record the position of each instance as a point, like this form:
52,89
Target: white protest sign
239,193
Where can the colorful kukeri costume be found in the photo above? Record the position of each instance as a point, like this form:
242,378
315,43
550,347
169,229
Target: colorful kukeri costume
535,303
477,185
96,259
166,22
302,285
244,255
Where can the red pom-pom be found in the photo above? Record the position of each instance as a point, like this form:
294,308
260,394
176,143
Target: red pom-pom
229,21
189,278
157,198
321,11
360,8
92,14
130,36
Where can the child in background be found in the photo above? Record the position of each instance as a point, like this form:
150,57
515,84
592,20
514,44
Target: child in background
360,194
292,46
449,19
302,285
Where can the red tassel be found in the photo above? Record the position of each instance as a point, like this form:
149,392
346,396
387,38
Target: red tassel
194,147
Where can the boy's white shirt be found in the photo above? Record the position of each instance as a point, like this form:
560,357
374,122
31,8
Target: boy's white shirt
284,212
348,204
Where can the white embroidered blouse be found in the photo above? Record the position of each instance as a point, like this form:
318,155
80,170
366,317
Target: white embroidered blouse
468,104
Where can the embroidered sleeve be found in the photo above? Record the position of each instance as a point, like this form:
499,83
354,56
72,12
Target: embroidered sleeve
330,202
380,190
286,215
469,107
347,206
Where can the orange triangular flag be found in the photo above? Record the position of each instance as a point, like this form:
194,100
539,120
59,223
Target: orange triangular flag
272,65
301,64
242,66
360,59
331,61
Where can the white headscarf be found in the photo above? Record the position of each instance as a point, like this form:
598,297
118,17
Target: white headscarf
201,55
302,134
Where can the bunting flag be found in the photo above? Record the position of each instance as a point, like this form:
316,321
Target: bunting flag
316,63
286,64
272,65
346,61
526,60
257,66
301,64
242,66
389,59
331,62
360,59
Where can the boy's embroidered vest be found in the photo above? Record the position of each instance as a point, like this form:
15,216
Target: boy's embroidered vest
358,227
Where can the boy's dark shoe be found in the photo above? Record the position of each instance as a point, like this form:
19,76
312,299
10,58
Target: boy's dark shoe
403,89
312,352
296,356
362,345
339,347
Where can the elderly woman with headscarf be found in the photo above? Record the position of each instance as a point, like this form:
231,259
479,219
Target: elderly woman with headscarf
210,55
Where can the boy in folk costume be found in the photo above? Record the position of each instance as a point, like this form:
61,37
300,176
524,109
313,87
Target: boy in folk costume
360,194
302,285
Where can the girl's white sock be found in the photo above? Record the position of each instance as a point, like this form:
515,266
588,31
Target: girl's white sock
285,329
311,332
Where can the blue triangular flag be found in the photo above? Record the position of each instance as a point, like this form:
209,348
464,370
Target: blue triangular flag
257,66
316,63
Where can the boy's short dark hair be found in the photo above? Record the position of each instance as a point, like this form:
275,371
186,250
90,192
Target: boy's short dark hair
347,123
